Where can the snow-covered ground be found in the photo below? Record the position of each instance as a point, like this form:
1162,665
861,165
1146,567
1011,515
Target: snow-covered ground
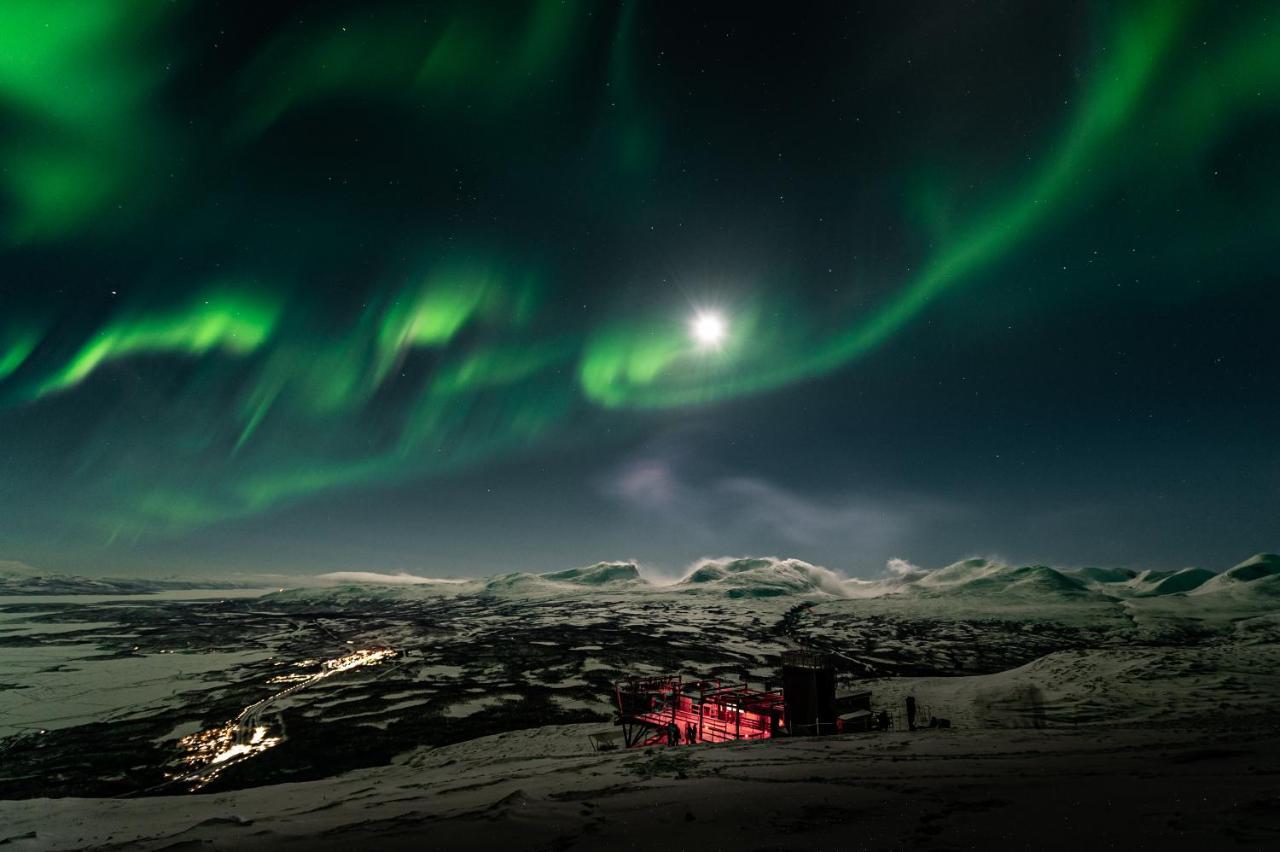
1069,789
468,712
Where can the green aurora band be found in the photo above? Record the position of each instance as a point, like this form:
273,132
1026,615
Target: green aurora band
656,367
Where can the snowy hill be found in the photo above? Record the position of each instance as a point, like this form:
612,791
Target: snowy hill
1256,576
600,574
736,577
369,589
1122,582
613,576
983,577
1257,567
761,577
1175,583
1103,576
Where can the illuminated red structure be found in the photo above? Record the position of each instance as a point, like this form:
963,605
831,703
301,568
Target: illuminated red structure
667,710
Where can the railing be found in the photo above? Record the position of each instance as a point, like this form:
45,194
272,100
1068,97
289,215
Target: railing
712,727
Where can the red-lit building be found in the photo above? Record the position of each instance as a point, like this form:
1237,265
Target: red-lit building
668,711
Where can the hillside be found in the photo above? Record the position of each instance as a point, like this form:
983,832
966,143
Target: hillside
1257,576
611,576
983,577
761,577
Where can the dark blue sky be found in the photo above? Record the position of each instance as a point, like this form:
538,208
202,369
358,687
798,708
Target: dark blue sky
368,287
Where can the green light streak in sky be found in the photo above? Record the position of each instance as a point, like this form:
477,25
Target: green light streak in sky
644,368
620,359
473,408
235,323
635,369
483,396
1120,115
438,310
339,373
15,348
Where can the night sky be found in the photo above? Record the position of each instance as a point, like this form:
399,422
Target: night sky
457,288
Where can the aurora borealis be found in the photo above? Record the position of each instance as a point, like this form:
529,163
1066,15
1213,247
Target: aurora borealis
394,285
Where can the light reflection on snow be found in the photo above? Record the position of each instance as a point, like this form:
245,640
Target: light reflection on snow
207,753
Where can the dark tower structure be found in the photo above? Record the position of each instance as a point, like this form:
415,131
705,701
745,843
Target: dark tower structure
809,689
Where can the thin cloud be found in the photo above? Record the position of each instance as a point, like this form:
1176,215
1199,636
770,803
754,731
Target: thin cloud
707,508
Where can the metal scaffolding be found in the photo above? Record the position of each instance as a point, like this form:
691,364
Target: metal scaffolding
667,710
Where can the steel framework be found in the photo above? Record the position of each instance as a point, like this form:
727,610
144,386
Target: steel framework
666,710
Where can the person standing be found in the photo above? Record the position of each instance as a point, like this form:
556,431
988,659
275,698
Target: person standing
911,712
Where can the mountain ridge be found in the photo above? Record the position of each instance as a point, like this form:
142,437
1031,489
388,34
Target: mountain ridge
741,577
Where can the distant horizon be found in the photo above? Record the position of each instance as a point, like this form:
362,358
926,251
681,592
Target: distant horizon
654,573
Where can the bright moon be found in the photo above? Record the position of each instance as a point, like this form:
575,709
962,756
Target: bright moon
708,329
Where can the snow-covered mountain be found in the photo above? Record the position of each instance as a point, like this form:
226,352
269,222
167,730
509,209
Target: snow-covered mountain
761,577
1257,576
600,576
983,577
734,577
1171,582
